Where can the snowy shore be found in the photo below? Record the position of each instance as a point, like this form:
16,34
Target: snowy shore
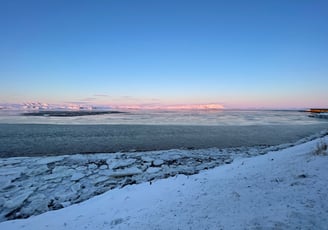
285,188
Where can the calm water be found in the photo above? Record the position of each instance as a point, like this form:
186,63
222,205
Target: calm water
151,130
210,118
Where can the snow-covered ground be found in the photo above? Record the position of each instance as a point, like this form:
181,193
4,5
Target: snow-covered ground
285,189
33,185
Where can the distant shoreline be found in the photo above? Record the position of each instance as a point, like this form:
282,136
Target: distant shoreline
66,113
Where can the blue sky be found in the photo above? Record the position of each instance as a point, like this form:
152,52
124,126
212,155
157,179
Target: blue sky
235,53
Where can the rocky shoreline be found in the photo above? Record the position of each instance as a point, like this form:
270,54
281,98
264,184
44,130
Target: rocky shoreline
33,185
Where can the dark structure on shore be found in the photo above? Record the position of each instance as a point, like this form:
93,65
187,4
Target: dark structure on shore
316,110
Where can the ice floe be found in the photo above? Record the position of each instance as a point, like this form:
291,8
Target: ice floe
33,185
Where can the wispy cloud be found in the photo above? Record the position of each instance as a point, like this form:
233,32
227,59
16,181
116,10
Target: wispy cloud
88,99
129,98
76,103
101,95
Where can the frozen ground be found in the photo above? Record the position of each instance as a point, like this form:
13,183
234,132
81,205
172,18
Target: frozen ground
33,185
284,189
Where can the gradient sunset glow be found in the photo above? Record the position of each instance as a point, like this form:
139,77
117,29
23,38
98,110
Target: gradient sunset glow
164,54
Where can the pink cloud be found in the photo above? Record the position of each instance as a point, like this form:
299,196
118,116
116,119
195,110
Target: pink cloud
211,106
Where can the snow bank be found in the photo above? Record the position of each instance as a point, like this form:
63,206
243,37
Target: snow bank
33,185
287,189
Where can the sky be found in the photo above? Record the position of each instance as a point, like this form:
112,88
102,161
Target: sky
236,54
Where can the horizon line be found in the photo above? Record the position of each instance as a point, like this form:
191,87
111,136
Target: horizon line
172,107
